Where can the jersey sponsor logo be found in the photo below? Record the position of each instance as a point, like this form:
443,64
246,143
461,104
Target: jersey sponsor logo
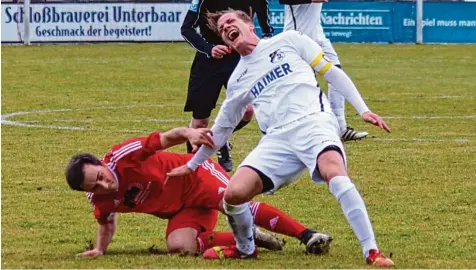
194,6
269,77
136,194
242,75
276,56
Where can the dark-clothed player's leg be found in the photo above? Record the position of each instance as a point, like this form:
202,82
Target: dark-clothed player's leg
207,77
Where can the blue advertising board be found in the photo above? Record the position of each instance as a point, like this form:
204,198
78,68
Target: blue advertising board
389,22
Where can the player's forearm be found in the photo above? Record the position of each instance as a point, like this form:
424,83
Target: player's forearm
220,136
344,85
192,37
173,137
105,234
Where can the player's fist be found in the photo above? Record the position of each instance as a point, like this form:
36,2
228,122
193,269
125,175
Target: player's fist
219,51
375,120
92,253
199,136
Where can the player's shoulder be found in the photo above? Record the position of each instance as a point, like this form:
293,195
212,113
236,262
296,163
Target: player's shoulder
290,34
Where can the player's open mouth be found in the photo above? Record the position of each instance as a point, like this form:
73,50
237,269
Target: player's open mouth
232,35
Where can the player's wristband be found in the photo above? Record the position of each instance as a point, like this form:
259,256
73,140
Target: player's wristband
192,166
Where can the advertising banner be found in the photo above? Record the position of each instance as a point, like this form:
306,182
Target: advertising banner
380,22
389,22
80,22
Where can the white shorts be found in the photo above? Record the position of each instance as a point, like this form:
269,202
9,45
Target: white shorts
284,153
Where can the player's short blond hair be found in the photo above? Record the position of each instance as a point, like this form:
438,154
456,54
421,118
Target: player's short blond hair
213,17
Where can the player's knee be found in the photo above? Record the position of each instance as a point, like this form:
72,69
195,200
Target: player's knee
330,165
234,196
248,113
182,241
182,248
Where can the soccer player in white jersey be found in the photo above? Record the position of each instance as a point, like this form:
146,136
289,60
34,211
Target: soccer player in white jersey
305,16
301,132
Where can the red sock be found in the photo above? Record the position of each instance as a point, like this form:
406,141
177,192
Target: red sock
206,240
275,220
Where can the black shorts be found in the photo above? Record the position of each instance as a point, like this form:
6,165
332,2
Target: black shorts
207,77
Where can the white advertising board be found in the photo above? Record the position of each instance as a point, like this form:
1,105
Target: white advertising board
92,22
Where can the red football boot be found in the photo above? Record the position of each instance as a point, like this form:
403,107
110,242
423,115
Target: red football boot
227,252
378,259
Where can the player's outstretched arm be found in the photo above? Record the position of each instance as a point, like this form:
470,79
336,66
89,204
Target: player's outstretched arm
344,85
220,136
230,114
197,137
312,53
104,238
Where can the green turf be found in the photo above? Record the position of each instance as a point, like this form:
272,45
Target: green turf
418,182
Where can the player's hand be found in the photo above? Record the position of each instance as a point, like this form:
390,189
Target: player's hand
319,1
178,172
375,120
92,253
199,136
219,51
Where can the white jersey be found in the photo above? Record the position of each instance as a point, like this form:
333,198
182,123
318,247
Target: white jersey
277,79
305,18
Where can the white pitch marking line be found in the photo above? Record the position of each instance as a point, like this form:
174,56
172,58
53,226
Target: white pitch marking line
5,121
418,140
4,117
431,117
110,121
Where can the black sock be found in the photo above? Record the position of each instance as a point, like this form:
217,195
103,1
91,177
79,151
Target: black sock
306,235
241,125
189,147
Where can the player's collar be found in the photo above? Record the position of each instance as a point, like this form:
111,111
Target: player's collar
115,176
254,51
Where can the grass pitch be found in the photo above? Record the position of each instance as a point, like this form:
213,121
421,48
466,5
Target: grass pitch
418,182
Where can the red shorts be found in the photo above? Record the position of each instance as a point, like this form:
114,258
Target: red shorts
201,203
200,219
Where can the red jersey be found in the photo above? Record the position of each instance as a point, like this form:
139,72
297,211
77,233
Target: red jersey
140,169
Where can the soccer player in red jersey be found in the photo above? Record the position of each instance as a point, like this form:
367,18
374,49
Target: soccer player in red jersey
132,177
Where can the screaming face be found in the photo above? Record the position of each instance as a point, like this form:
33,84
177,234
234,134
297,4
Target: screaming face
234,31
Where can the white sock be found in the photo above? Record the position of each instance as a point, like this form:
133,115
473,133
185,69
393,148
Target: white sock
354,210
240,221
338,106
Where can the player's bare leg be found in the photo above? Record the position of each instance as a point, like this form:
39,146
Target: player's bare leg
183,241
332,169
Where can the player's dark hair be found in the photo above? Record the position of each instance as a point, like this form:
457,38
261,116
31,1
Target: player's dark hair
74,171
213,17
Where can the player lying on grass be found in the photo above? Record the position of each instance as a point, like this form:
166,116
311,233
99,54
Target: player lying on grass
301,132
132,178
